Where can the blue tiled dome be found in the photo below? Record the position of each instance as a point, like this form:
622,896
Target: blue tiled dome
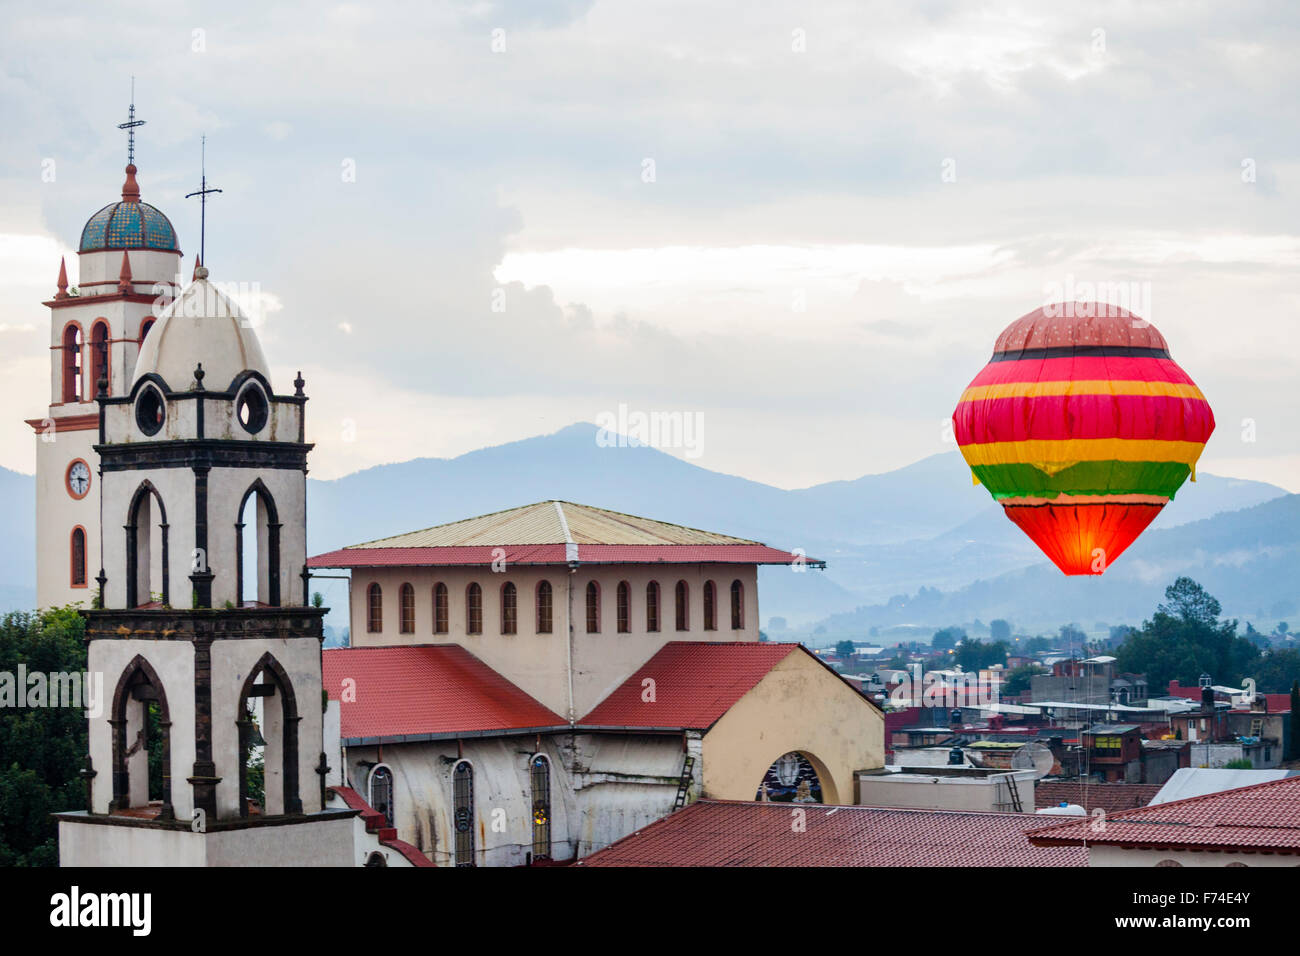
129,224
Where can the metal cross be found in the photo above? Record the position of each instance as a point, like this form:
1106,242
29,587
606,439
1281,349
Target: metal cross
202,192
130,125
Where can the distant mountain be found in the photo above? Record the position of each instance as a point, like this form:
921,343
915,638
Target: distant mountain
1248,559
924,525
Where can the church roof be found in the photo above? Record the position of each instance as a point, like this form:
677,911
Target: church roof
201,325
129,224
735,833
555,532
425,692
695,682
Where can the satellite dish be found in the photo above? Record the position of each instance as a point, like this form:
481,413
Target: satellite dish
1033,756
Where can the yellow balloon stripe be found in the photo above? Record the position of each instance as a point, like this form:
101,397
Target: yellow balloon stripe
1052,456
978,393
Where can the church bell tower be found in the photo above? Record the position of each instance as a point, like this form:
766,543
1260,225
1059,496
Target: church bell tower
208,747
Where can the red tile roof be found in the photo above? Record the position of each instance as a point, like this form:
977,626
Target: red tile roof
1264,817
375,823
1111,797
695,683
426,691
725,833
526,554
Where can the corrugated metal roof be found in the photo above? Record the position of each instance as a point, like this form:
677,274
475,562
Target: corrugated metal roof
544,523
1263,817
425,690
720,833
1190,782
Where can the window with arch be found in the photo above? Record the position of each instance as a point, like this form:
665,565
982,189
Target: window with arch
406,613
474,609
268,717
683,608
652,606
145,326
77,555
462,787
141,730
624,607
374,608
593,607
98,358
72,362
381,792
544,604
710,606
147,574
257,548
540,778
737,605
509,608
441,612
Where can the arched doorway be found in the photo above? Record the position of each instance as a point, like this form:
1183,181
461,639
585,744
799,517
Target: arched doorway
792,778
268,719
141,724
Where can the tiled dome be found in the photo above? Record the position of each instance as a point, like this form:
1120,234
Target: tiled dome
129,224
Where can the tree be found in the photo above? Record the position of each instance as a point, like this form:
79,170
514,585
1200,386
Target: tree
844,650
1071,636
42,749
1276,670
1185,638
947,638
974,654
1000,630
1019,679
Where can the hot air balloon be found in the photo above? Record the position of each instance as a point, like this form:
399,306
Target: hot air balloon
1082,427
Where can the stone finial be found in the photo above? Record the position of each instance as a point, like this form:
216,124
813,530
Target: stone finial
130,188
63,280
298,383
124,277
198,376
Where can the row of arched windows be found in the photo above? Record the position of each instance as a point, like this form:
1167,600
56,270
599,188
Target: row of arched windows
76,386
544,603
462,805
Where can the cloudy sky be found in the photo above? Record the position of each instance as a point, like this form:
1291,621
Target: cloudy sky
804,225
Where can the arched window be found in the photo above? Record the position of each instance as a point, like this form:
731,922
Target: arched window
540,775
147,573
652,606
381,792
141,726
78,556
268,699
406,613
593,607
683,606
462,786
257,548
474,609
710,606
72,362
374,609
544,600
441,613
145,326
98,358
737,605
624,607
509,608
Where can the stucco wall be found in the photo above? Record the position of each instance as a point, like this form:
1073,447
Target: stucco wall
308,843
539,662
799,706
1116,856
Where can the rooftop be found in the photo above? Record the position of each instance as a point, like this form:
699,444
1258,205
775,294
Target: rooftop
1264,818
425,692
1111,797
726,833
556,532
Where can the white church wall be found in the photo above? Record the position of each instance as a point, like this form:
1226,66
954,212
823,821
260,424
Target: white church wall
147,266
226,488
176,488
57,513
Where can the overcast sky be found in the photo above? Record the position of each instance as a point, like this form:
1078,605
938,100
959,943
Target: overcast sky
804,224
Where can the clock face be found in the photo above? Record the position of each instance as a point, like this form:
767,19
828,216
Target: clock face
78,479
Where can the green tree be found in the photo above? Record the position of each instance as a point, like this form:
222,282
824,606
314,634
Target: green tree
1000,630
974,654
844,649
1185,638
1018,679
947,638
1277,670
42,749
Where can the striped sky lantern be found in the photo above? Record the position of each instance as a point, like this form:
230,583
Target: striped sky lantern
1082,427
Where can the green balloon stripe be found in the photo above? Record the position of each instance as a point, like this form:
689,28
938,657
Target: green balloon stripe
1086,478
